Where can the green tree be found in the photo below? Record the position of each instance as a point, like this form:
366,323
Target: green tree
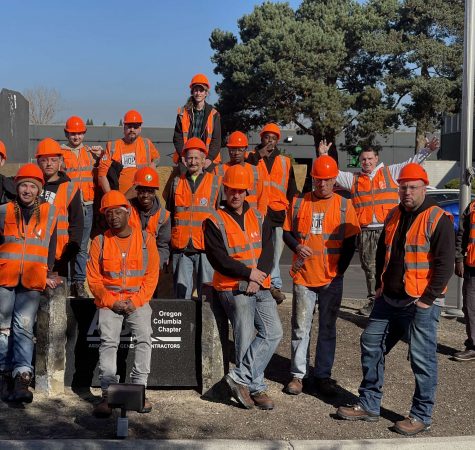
309,66
422,53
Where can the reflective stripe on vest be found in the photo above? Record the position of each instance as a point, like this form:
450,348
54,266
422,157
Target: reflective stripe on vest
470,257
80,170
374,197
276,189
418,260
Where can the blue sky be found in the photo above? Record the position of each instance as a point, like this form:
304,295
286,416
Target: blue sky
105,57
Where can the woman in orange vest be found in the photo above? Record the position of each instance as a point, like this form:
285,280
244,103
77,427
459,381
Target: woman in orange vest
27,250
198,119
238,242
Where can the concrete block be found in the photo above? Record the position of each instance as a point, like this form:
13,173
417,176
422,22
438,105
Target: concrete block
51,342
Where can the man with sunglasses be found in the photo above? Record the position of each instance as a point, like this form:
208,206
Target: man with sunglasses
414,262
125,156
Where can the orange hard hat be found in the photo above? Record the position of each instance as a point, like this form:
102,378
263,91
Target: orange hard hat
147,177
413,171
75,125
113,199
270,128
29,171
3,150
324,167
200,79
194,143
237,140
48,146
238,177
133,116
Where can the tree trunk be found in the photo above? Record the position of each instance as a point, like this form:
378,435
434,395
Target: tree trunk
420,137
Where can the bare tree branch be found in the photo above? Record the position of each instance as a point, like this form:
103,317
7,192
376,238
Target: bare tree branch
44,104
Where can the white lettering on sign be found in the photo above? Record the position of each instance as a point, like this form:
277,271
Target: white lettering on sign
128,160
170,314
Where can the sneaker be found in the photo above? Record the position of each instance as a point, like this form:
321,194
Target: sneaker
356,412
78,290
6,384
466,355
102,410
263,401
21,393
410,426
147,407
326,386
239,392
294,387
366,309
279,297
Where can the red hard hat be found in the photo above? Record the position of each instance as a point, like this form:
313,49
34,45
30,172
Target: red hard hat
413,171
324,168
147,177
238,177
3,150
75,125
237,140
133,116
271,128
194,143
200,79
29,170
113,199
48,146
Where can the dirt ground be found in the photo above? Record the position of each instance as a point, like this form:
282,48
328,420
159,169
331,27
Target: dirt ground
183,414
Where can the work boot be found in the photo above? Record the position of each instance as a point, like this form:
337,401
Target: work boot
6,384
263,401
366,309
356,412
279,297
239,392
21,393
466,355
147,407
78,290
294,387
410,426
102,410
326,386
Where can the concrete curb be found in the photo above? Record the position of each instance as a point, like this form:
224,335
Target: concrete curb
435,443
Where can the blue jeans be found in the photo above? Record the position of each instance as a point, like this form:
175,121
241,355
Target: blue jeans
184,264
79,273
386,325
110,328
278,241
253,352
304,302
18,308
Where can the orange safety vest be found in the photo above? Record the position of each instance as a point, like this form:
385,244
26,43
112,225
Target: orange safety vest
244,246
418,259
251,197
192,209
24,251
185,129
123,273
276,182
374,197
81,170
328,243
470,257
62,200
154,223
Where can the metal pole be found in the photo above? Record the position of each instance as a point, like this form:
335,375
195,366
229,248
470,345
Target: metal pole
467,119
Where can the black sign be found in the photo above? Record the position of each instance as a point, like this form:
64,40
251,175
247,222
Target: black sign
174,355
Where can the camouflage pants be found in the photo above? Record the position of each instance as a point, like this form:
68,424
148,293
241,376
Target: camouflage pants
367,244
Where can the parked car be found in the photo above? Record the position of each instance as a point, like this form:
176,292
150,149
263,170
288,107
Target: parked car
447,199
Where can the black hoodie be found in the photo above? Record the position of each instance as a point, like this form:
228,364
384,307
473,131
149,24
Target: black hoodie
442,247
75,219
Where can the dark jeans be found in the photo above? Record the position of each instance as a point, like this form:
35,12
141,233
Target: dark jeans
387,324
468,308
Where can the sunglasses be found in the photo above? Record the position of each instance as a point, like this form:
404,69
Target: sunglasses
133,125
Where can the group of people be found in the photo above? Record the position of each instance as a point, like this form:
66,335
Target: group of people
225,225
